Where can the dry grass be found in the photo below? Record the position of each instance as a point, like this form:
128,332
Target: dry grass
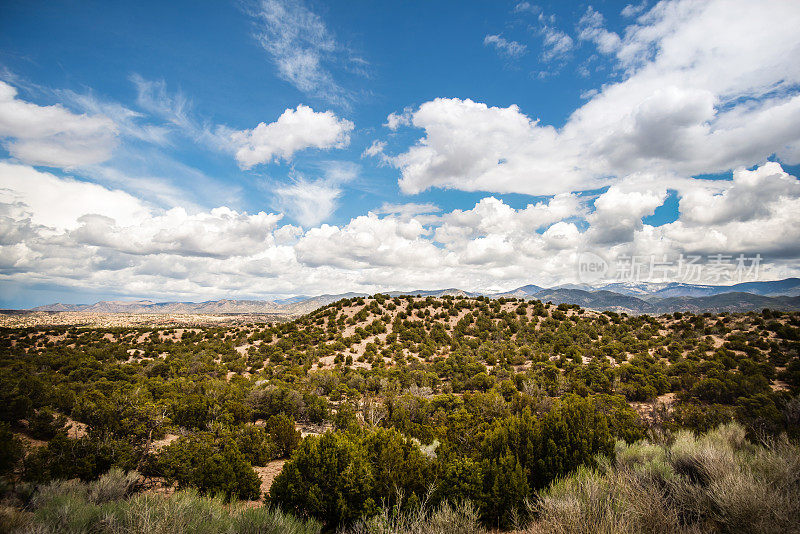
446,518
106,506
718,482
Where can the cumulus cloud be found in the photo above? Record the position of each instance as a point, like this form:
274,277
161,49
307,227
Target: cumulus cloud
219,233
368,241
471,146
619,211
503,46
296,129
752,195
58,203
695,98
60,239
53,135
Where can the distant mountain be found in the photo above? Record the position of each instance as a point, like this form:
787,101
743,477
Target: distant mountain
520,292
595,300
725,302
789,287
633,298
640,289
146,306
292,300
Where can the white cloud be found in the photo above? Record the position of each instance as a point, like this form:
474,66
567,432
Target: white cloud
631,10
176,109
556,44
511,49
591,26
396,120
295,129
751,195
375,149
52,232
368,241
58,203
301,45
619,211
696,98
221,233
407,210
471,146
130,123
312,201
526,7
53,135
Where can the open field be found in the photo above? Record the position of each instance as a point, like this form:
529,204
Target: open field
28,319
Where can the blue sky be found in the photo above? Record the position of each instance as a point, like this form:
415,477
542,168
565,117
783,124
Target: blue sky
445,120
208,52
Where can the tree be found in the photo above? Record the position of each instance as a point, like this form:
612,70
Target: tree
286,438
329,477
210,464
338,477
11,450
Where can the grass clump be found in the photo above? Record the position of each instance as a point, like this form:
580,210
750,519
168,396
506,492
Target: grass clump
108,506
717,482
446,518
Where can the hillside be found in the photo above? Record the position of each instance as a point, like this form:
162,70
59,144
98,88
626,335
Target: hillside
460,394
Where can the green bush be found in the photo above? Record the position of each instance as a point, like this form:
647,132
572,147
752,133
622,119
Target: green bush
523,453
11,450
85,458
339,477
283,434
211,464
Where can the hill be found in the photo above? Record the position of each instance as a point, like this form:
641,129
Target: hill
621,297
366,398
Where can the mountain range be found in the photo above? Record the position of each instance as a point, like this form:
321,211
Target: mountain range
633,298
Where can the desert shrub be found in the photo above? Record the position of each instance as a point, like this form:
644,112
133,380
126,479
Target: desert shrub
339,477
11,450
524,453
718,482
44,425
283,434
90,508
276,400
256,444
212,464
85,458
